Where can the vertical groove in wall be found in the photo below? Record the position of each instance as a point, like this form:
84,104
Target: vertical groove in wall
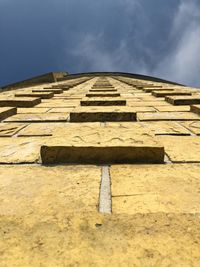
105,203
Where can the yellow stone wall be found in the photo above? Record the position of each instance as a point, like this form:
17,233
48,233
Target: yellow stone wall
100,171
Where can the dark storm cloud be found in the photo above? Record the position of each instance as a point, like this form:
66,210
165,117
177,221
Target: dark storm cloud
160,38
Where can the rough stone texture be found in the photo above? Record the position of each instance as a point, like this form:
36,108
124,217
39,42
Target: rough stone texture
183,100
34,117
7,112
166,93
181,148
166,128
103,90
102,145
168,116
20,150
151,189
102,94
9,129
19,102
146,104
195,109
55,91
172,108
42,95
49,215
32,110
91,114
103,102
193,126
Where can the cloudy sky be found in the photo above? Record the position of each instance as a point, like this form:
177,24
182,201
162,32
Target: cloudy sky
153,37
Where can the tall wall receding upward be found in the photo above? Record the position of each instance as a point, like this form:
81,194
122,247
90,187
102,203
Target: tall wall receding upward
99,169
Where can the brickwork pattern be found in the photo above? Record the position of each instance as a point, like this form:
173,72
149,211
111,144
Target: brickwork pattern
100,170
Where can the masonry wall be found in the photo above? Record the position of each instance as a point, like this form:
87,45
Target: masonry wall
100,170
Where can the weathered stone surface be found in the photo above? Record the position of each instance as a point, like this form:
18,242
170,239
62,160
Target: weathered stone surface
20,150
41,117
32,110
43,95
9,129
172,108
103,102
150,188
181,148
91,114
167,93
16,102
60,110
183,100
168,116
55,91
150,89
195,109
58,104
93,239
102,145
58,129
146,103
7,112
38,191
103,90
193,126
103,94
165,128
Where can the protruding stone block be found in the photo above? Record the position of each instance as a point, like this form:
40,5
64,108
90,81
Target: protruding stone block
195,109
103,102
103,90
104,145
17,102
169,93
183,100
55,91
7,112
102,94
85,114
43,95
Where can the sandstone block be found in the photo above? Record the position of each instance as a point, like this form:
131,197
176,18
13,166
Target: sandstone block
55,91
102,145
103,94
85,114
9,129
168,116
103,102
183,100
171,108
7,112
39,117
193,126
195,109
23,102
103,90
153,188
169,93
43,95
181,148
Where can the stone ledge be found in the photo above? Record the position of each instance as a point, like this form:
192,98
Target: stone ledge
85,114
23,102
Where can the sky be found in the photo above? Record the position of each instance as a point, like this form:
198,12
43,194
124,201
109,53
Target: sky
151,37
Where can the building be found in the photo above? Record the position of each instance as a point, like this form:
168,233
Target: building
99,169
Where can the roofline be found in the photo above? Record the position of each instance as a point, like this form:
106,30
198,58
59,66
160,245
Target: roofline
61,76
125,74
